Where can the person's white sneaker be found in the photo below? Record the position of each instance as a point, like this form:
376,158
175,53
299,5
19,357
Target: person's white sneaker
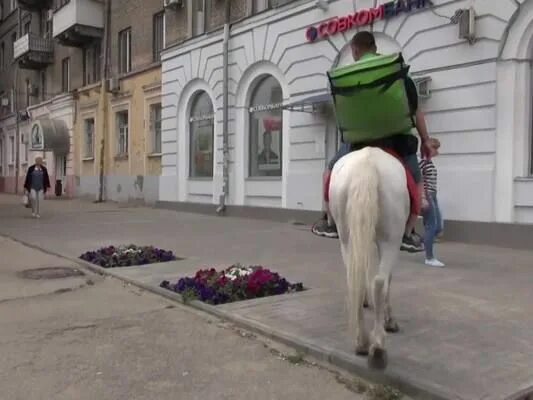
434,263
33,215
37,216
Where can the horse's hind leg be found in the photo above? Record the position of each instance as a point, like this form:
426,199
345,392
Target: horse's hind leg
377,355
380,284
391,325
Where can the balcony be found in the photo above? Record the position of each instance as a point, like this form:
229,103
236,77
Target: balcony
33,51
79,22
34,5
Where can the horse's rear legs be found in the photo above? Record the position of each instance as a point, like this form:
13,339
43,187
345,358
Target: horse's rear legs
377,355
391,325
379,291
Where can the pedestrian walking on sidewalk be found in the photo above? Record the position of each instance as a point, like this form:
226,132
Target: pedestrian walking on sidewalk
36,184
431,211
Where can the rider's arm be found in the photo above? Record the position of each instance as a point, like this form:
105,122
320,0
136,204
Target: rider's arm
420,119
421,126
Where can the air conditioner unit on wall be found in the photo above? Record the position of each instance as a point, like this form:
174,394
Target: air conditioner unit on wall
174,4
467,24
113,85
423,86
4,102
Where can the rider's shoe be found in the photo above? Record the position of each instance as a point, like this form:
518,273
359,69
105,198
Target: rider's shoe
411,244
417,237
324,229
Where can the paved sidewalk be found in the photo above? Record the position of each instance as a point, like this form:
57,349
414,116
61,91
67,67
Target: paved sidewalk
466,329
92,338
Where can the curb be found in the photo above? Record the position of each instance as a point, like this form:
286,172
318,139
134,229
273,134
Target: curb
354,365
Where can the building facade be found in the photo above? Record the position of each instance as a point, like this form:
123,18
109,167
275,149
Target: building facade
470,59
119,131
38,86
54,68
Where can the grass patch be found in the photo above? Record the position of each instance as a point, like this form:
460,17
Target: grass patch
384,392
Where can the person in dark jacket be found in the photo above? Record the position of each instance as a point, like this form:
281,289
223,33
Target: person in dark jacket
36,184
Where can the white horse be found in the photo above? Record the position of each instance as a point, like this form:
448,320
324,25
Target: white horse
369,202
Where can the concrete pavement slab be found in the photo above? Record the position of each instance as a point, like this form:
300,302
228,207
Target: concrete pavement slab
465,328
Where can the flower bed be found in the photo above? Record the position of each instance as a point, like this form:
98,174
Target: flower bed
127,256
235,283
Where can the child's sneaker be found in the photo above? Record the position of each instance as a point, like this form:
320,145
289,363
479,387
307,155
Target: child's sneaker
434,263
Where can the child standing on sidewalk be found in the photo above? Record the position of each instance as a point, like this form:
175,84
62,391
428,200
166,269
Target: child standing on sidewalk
431,213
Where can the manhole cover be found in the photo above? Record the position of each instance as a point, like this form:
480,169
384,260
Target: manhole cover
50,273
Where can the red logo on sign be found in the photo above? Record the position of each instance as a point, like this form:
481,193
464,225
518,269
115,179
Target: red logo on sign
361,18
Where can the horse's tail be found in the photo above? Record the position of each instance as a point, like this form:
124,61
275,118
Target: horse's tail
362,217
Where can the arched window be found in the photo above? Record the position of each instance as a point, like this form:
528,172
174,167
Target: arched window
201,127
266,128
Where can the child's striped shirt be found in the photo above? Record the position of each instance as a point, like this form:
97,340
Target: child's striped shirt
429,172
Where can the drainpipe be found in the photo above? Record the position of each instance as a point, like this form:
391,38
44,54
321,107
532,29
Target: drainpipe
225,110
103,100
15,101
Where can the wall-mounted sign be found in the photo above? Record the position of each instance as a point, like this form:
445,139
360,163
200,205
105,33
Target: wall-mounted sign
37,142
266,107
360,18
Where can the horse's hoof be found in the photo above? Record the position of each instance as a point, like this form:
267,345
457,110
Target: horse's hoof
391,326
377,358
361,350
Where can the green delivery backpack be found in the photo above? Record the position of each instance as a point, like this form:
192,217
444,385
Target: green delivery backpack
370,98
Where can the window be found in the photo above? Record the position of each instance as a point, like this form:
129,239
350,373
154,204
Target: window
158,35
28,93
12,149
13,40
1,155
266,128
261,5
65,75
122,133
27,27
43,85
89,138
201,127
46,24
91,64
13,5
2,55
24,144
124,51
1,14
155,127
201,12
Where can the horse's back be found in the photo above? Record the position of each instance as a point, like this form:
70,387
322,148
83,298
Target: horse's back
393,196
390,170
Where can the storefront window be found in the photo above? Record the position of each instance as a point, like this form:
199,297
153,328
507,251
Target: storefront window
266,128
201,125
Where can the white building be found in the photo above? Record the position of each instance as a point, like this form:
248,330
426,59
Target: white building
479,105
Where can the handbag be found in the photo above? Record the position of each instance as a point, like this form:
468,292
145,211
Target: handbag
25,200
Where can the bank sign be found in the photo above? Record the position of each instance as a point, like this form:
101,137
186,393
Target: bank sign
362,18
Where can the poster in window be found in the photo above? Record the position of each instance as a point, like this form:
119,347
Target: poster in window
269,143
203,148
37,142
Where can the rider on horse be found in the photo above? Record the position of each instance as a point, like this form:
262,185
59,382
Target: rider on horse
363,46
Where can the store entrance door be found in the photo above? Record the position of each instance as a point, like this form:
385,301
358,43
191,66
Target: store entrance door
61,174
